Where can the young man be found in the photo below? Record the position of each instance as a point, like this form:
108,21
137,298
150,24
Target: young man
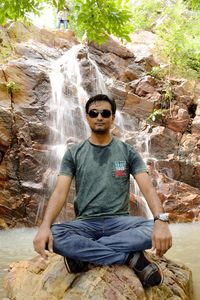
103,233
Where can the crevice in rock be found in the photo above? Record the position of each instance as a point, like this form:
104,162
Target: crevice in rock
2,153
14,145
192,110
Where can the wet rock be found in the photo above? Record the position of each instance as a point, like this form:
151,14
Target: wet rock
37,279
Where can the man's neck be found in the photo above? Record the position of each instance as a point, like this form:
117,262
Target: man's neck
100,139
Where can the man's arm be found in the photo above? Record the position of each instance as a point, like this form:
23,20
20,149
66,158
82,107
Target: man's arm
55,204
161,236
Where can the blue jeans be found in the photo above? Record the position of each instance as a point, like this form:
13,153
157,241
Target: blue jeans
59,22
102,241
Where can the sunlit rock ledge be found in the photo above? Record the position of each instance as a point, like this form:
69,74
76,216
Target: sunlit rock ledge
37,279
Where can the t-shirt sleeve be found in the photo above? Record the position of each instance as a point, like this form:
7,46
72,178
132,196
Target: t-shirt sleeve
67,165
137,164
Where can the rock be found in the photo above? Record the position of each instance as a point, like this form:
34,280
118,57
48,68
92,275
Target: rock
19,32
179,199
184,88
162,136
178,119
113,45
138,106
37,279
26,128
143,46
145,86
5,128
112,65
196,120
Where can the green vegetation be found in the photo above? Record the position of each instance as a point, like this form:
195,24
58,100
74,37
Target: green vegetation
94,19
179,40
5,52
157,72
145,13
167,96
175,23
157,115
12,87
193,4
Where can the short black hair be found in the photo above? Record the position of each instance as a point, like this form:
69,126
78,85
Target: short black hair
101,97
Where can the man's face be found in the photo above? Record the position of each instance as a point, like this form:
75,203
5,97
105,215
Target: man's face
100,117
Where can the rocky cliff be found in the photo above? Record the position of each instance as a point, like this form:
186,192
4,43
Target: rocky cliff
26,57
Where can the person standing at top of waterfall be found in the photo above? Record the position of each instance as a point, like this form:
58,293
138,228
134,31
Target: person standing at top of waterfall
103,232
62,19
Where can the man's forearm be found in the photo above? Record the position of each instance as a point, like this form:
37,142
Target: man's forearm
150,194
53,209
153,201
57,200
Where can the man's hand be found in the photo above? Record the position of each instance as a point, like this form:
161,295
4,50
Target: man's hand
43,237
161,237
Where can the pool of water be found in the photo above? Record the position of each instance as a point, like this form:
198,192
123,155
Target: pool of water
185,249
16,244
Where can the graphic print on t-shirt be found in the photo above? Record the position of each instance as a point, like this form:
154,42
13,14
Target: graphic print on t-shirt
119,169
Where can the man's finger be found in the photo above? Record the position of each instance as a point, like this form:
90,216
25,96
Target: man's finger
50,245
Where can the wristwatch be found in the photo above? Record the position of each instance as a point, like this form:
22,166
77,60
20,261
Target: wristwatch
162,217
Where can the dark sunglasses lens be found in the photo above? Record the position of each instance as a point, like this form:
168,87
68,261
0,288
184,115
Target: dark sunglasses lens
93,113
106,113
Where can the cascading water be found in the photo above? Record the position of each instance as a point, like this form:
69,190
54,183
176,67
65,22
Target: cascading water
67,115
68,126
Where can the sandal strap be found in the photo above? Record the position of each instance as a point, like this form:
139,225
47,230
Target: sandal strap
134,260
149,270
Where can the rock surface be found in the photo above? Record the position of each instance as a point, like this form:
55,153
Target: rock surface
39,280
26,143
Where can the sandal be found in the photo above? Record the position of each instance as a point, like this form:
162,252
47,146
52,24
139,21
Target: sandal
75,266
149,272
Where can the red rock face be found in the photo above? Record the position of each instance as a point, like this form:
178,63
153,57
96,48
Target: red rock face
26,137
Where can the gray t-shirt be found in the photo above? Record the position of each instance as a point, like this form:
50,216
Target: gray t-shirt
102,175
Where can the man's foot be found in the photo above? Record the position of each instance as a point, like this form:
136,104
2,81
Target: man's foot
75,266
149,272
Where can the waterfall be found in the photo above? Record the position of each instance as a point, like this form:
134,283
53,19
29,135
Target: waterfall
67,109
67,106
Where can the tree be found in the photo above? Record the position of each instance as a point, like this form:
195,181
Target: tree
96,19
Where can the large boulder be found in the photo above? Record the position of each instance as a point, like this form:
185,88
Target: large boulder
37,279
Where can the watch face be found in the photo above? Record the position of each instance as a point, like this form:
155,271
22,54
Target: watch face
164,217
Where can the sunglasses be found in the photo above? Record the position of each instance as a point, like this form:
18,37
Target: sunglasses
105,113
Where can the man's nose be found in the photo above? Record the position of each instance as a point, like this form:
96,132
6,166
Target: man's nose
99,117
